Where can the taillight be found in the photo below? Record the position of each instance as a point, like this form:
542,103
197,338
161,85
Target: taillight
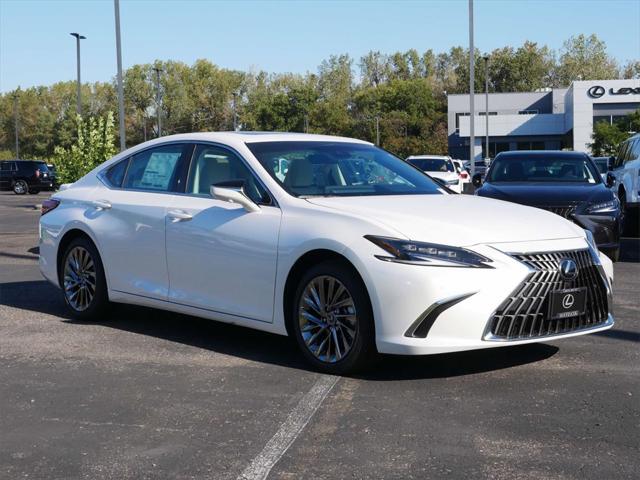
48,205
464,175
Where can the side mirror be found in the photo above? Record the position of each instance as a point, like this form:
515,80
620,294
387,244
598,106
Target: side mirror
233,191
611,180
477,180
611,162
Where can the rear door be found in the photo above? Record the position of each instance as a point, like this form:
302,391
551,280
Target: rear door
221,257
129,216
6,172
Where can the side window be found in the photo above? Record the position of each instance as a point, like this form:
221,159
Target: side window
211,165
155,169
115,174
4,166
634,151
621,154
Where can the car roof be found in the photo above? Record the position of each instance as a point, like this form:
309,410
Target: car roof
255,137
541,154
428,157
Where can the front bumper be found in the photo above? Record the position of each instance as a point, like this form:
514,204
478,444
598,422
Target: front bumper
605,229
402,294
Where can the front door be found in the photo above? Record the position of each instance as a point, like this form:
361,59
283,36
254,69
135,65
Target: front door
221,257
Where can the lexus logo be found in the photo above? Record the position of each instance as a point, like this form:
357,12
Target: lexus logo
596,91
568,269
568,300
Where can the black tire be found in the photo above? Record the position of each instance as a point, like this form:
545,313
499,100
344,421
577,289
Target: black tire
362,351
20,187
99,305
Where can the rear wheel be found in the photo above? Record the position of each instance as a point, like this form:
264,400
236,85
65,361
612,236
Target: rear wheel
20,187
333,320
83,282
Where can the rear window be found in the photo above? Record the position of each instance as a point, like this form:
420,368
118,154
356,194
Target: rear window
432,164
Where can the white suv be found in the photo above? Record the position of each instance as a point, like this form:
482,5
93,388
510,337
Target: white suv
626,168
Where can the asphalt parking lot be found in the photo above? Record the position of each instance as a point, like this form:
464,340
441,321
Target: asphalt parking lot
148,394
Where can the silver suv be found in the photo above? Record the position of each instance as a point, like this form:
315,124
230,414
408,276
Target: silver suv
626,168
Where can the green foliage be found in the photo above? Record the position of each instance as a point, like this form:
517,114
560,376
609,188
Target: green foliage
607,137
585,58
95,143
404,90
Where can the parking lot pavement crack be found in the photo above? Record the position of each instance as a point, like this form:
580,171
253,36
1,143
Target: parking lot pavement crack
276,447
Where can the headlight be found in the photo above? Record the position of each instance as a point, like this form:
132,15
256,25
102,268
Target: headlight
420,253
593,247
604,207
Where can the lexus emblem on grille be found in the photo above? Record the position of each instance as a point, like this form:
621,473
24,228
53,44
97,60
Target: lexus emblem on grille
568,269
568,300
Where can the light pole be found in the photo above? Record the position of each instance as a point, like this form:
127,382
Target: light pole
486,106
377,130
158,70
123,143
235,112
472,134
15,119
78,38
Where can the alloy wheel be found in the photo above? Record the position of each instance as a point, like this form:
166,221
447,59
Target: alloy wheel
20,187
327,318
79,279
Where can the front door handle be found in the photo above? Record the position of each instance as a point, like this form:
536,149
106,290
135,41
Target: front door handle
101,204
179,215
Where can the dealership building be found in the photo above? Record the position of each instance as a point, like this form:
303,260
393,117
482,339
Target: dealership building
554,119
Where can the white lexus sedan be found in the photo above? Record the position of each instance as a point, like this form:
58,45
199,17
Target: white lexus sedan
351,251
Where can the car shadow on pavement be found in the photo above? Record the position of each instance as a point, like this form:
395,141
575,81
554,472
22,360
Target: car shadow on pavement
630,250
40,296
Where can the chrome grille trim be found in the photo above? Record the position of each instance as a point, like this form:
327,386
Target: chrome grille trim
524,314
565,211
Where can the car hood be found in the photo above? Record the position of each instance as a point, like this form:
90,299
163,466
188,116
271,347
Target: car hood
546,194
458,220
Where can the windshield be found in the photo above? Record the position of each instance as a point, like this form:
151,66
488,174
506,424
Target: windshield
340,169
432,164
543,169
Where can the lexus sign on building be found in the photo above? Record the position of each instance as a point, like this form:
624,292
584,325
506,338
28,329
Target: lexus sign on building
552,119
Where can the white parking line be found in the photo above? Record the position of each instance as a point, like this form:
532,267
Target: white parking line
276,447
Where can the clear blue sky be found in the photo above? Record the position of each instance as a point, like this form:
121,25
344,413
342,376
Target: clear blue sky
293,36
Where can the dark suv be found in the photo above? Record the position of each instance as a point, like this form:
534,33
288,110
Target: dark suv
25,176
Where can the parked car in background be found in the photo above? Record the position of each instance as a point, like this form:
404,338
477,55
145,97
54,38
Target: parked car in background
54,176
602,164
440,167
25,176
463,174
354,251
625,168
565,183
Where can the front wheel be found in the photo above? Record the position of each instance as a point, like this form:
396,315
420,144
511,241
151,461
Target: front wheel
83,282
333,320
20,187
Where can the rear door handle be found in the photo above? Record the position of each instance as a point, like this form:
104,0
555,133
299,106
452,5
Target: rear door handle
101,204
179,215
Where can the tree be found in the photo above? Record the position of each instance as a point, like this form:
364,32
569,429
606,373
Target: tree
95,143
584,58
607,137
